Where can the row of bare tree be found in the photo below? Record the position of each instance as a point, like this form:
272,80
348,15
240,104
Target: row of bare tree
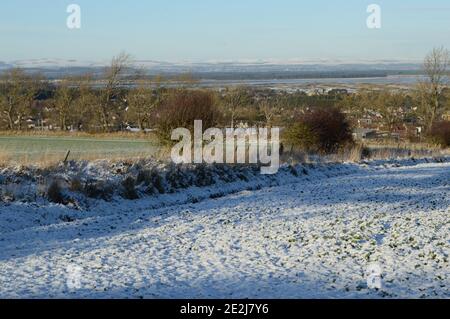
85,103
29,101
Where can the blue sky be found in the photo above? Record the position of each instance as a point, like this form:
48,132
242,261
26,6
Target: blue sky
203,30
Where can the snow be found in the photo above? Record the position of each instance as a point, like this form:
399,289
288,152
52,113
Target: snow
299,235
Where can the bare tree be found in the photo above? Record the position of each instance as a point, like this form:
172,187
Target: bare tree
390,106
64,101
234,99
18,93
268,110
141,103
86,105
11,94
182,107
430,92
109,94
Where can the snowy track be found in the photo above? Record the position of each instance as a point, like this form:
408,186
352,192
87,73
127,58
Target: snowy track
303,240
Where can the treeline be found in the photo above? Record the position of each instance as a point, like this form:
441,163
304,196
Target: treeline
30,102
106,105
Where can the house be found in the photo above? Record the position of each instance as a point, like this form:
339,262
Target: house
133,129
406,131
365,121
364,133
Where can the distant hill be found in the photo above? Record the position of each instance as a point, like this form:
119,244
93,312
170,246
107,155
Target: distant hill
56,68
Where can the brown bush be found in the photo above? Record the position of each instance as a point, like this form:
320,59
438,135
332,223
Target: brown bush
99,190
440,133
76,185
129,188
321,130
182,108
54,193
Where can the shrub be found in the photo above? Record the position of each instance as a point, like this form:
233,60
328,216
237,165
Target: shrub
293,170
182,108
129,188
99,190
360,152
177,178
152,180
158,182
440,133
203,175
76,185
54,193
321,130
144,177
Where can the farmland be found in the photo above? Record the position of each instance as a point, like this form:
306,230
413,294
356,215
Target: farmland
314,235
32,149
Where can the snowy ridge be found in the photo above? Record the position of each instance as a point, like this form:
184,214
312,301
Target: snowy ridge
23,190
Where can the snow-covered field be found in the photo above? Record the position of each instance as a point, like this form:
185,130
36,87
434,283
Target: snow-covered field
309,235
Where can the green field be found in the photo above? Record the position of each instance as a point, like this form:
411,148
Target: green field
39,148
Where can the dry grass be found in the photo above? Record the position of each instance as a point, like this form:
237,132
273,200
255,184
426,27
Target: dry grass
48,158
9,156
386,152
361,152
373,151
392,149
112,135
